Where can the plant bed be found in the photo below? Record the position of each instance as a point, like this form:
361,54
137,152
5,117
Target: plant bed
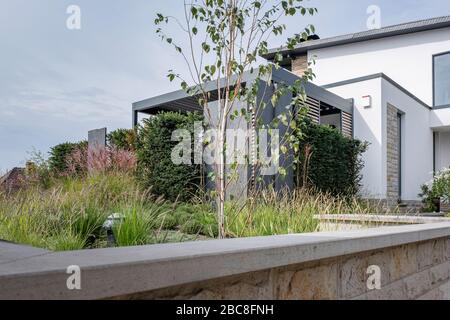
70,214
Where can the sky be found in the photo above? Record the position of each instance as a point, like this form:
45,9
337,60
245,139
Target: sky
56,84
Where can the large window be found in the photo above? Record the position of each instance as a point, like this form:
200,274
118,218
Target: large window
442,79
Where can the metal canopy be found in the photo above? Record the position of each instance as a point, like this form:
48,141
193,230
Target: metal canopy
180,101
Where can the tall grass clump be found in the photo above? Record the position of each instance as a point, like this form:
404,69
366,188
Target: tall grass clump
269,213
70,214
141,223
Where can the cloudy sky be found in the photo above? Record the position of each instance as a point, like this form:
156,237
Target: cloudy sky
56,83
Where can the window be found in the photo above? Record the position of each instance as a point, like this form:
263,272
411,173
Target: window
441,79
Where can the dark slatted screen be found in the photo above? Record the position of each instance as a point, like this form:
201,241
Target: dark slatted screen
314,109
347,124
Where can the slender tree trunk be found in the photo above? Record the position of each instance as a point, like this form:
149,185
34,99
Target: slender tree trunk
221,192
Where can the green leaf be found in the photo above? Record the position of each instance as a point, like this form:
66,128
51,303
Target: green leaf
206,47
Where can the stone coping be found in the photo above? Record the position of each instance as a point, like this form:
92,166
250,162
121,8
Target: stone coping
122,271
368,218
10,252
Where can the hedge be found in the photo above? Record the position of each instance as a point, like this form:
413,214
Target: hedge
154,148
124,139
58,155
329,161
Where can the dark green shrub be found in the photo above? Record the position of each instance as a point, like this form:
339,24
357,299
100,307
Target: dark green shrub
122,139
154,148
329,161
59,155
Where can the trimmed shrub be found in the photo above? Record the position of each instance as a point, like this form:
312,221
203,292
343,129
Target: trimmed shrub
60,153
436,190
328,161
154,148
124,139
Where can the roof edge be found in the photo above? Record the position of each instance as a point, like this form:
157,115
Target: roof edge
376,76
385,32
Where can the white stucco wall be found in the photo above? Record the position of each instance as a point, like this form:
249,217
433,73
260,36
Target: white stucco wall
417,140
440,122
368,126
407,59
442,150
440,119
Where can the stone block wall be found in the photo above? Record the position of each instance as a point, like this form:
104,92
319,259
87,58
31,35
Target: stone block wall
419,270
300,65
393,167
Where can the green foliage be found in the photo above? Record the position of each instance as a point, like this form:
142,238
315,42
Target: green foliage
37,170
59,154
272,213
65,241
122,139
70,214
328,161
232,35
436,189
196,219
88,223
136,227
154,148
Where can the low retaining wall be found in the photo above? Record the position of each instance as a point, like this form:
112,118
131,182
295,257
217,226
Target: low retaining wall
413,260
347,222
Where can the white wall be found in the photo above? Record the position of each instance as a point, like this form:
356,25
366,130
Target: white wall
440,119
440,122
368,126
417,140
442,150
407,59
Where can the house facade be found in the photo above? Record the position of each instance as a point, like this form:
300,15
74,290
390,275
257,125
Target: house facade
399,80
389,87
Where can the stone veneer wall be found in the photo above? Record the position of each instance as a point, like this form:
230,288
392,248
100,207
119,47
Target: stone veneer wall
418,270
393,168
300,65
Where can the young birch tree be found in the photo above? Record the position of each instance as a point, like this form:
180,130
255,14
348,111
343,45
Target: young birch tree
224,40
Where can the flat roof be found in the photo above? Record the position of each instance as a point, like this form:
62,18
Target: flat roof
389,31
375,76
181,101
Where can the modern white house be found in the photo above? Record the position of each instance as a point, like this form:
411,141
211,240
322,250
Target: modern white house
399,79
389,87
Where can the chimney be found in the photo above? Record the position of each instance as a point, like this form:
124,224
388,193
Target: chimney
300,64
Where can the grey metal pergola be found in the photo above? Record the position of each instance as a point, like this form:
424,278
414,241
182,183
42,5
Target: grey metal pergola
319,100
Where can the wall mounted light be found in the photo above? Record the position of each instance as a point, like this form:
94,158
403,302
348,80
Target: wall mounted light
366,101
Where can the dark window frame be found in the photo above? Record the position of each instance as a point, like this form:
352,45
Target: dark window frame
434,78
400,153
